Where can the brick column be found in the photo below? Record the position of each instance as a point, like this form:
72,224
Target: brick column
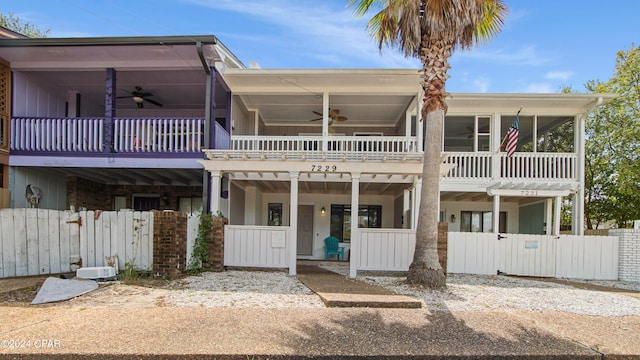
169,243
216,244
443,239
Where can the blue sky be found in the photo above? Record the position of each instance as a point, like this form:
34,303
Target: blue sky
545,44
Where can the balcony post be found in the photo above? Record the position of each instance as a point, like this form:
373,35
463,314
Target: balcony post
293,224
496,159
325,122
110,110
354,252
556,215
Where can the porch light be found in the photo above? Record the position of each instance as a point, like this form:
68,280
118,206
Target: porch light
453,218
323,211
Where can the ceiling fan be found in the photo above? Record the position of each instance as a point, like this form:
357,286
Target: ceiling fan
334,115
139,97
470,131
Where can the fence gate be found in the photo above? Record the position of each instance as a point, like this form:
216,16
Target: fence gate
585,257
38,241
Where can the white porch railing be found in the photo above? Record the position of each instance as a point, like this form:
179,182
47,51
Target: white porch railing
69,134
345,144
256,246
158,135
469,165
87,135
549,166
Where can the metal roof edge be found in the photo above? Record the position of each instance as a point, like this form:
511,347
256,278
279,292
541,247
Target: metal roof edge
102,41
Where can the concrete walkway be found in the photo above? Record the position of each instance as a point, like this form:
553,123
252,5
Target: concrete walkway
337,290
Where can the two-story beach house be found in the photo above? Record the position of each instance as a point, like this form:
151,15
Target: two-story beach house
308,147
289,156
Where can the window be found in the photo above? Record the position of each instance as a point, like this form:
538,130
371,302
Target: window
190,205
369,216
275,214
481,221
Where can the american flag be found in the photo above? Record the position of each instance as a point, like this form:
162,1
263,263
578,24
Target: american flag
512,136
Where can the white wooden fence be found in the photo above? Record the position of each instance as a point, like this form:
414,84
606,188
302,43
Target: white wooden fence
256,246
41,241
128,234
37,241
386,249
567,256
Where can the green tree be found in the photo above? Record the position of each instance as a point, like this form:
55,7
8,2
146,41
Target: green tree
613,147
14,23
431,31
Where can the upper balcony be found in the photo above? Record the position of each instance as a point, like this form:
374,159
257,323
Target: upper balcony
388,150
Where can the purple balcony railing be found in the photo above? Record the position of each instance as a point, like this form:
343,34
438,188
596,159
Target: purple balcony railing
86,135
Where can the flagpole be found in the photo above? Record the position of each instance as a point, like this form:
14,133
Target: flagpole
505,135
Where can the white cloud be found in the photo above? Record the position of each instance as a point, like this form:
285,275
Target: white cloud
558,75
482,84
542,88
316,30
524,56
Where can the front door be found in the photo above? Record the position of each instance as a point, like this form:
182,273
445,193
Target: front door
305,230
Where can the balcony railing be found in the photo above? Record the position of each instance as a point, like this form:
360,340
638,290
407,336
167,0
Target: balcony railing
468,165
87,135
544,166
158,135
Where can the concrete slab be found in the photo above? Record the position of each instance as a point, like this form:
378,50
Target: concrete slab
56,289
336,290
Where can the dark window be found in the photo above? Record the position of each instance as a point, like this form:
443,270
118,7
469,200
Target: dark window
145,203
275,214
369,216
481,221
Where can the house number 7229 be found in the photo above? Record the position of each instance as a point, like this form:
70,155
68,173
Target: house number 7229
324,168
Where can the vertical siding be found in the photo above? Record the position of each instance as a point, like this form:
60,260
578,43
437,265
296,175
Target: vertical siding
253,246
386,249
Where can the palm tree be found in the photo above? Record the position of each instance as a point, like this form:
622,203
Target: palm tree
431,30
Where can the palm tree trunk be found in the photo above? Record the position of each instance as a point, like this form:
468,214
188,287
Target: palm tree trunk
425,270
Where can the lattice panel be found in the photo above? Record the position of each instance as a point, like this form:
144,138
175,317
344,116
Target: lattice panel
5,76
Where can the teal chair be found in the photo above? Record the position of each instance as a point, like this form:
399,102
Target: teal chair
331,248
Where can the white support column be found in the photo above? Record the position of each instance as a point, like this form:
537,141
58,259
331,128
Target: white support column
495,145
354,252
556,215
325,121
549,215
293,223
420,123
496,214
407,123
214,196
416,202
578,198
535,133
406,210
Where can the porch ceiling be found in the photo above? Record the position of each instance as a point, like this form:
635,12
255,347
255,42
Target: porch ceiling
484,197
368,98
176,177
370,184
168,67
